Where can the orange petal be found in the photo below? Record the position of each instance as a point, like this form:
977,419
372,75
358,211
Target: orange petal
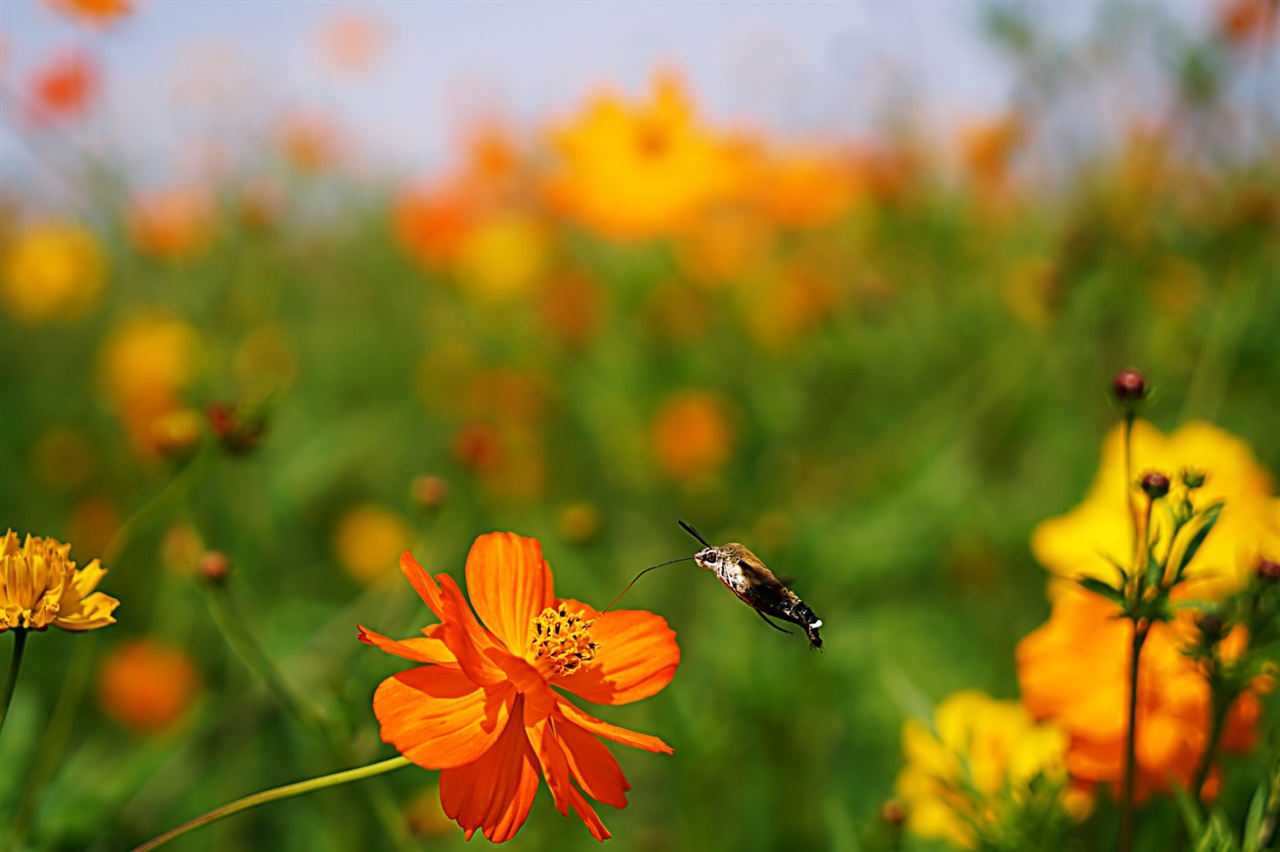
510,584
593,765
637,656
588,815
569,713
474,646
419,650
494,793
438,718
555,766
421,582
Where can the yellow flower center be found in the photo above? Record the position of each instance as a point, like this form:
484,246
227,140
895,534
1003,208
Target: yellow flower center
562,640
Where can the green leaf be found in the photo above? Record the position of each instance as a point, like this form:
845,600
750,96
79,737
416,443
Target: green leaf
1253,819
1101,587
1209,517
1155,569
1124,574
1190,809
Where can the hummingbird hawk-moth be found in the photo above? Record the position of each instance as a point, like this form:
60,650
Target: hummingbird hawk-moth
756,586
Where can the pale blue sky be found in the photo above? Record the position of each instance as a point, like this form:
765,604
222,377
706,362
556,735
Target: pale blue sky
182,69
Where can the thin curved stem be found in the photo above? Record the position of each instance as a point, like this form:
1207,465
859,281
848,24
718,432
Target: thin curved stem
285,792
177,489
11,680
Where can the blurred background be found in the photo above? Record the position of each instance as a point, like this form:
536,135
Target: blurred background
309,283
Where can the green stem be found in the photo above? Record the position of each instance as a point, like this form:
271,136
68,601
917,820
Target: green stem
257,660
1219,706
11,680
176,490
49,752
1128,484
285,792
1131,738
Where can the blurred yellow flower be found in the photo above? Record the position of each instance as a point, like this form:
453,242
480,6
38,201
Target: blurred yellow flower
145,362
976,766
1085,634
691,435
53,271
1072,545
578,522
502,258
369,541
147,685
638,171
40,586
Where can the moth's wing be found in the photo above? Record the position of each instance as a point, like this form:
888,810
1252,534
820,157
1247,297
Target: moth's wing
762,585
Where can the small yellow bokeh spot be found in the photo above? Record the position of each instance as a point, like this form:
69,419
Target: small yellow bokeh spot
368,542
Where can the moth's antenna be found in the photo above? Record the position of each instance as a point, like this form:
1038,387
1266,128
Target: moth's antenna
691,531
638,576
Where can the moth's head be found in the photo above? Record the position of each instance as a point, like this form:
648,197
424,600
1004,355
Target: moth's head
709,558
712,558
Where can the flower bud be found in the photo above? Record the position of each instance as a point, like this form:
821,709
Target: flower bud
1155,484
429,492
1268,569
1193,477
1211,626
1129,386
215,567
894,813
238,428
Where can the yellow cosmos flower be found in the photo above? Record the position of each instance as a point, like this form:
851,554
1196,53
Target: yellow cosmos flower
1073,545
368,539
638,171
40,585
965,778
53,271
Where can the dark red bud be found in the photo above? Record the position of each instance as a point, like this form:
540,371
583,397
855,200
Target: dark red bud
1156,485
1129,386
429,492
1268,569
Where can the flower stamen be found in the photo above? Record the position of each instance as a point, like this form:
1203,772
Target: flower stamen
562,640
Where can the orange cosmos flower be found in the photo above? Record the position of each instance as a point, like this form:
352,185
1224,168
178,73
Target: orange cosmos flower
486,707
1074,670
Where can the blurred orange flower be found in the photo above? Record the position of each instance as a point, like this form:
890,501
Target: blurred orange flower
691,435
40,586
62,88
171,224
53,271
1084,633
431,222
1073,545
98,12
803,187
310,141
1244,22
569,307
482,709
986,149
350,42
638,171
147,685
368,540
